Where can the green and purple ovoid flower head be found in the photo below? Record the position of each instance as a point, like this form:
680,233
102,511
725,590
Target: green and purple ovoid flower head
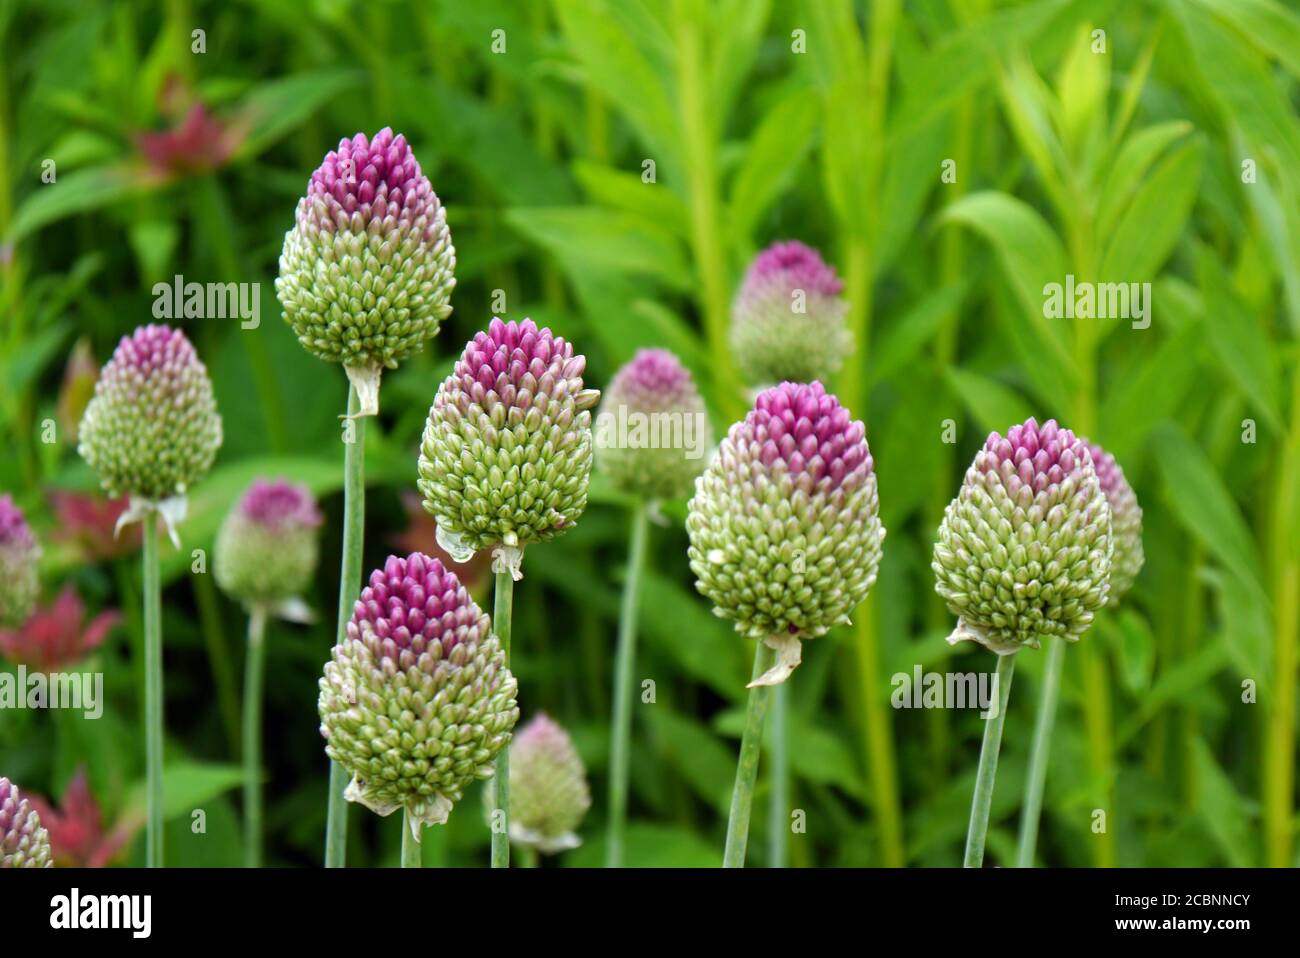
549,795
266,549
1024,551
1125,523
23,842
366,273
785,531
652,430
151,430
416,701
19,557
788,319
506,456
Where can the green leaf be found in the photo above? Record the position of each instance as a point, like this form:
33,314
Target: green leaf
627,191
1222,810
1137,648
1131,164
1247,625
80,191
908,335
1240,341
187,785
993,405
773,155
701,645
1031,255
1150,227
585,238
1269,25
1204,506
277,108
705,763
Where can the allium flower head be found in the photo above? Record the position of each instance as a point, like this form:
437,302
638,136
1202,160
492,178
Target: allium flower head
416,701
652,430
23,842
1125,522
788,320
506,454
1024,550
366,272
784,526
549,795
152,429
57,635
266,550
19,555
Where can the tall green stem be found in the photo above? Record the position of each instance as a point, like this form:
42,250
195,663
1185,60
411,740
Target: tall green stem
621,729
780,799
742,797
153,693
254,669
354,519
988,767
411,857
502,610
1042,745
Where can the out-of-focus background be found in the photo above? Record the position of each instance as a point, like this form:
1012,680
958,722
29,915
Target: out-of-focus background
609,169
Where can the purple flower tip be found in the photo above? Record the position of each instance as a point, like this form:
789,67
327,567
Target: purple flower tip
278,503
796,266
150,349
413,601
516,361
807,429
1109,473
1041,456
14,530
653,371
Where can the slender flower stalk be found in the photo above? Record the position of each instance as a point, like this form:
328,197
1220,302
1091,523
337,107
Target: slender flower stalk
354,518
986,773
785,540
505,461
254,670
651,390
151,431
624,663
1126,531
1024,553
411,857
153,694
266,553
779,808
751,743
503,599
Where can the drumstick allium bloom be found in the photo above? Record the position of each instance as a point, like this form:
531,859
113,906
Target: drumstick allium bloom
788,319
785,531
19,556
23,842
1125,523
366,272
266,549
652,430
152,429
506,455
416,701
1025,549
549,795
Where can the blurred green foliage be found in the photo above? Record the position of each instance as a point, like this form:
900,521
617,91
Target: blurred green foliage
608,169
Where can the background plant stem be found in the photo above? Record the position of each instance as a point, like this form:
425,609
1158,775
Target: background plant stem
153,693
502,609
410,844
354,519
254,669
987,773
621,731
1039,750
751,743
